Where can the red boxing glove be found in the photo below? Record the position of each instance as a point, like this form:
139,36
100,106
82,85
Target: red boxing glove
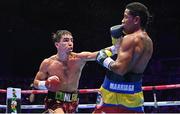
53,83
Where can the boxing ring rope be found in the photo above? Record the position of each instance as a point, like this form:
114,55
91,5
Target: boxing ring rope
87,106
84,91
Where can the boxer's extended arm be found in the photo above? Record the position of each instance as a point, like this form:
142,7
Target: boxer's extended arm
41,76
116,33
87,56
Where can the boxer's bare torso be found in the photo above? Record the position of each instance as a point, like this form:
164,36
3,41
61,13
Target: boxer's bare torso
67,65
68,71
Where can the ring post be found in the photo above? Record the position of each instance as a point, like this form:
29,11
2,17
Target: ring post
13,100
154,97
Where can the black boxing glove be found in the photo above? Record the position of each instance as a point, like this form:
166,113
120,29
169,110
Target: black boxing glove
103,58
116,33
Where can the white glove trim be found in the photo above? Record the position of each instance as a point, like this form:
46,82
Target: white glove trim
41,85
113,50
107,62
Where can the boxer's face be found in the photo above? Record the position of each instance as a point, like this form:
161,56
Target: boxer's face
129,21
65,43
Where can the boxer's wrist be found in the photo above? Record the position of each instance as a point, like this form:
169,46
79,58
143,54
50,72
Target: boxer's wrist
113,50
42,85
107,63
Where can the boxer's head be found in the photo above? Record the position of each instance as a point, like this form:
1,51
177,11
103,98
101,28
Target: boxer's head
58,35
63,40
140,10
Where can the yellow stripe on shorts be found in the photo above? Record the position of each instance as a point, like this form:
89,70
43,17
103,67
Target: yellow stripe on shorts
127,100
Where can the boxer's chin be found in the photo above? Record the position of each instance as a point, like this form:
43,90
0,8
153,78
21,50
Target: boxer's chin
70,50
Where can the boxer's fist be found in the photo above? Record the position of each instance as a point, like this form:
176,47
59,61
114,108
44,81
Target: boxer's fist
103,58
53,83
116,33
102,55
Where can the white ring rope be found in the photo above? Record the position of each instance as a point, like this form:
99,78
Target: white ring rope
86,106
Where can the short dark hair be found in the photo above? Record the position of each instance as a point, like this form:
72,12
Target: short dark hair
139,9
57,36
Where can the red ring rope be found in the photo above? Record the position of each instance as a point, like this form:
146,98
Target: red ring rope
145,88
161,87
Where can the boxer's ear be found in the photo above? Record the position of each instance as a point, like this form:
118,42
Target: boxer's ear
136,19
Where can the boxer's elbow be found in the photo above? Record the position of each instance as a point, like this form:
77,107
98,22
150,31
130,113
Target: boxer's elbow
118,68
35,83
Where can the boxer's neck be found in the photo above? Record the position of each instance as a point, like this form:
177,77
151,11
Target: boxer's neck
63,56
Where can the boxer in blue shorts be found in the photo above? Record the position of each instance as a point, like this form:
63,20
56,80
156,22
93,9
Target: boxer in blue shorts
122,87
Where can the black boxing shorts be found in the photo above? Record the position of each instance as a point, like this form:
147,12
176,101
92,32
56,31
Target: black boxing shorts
67,101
